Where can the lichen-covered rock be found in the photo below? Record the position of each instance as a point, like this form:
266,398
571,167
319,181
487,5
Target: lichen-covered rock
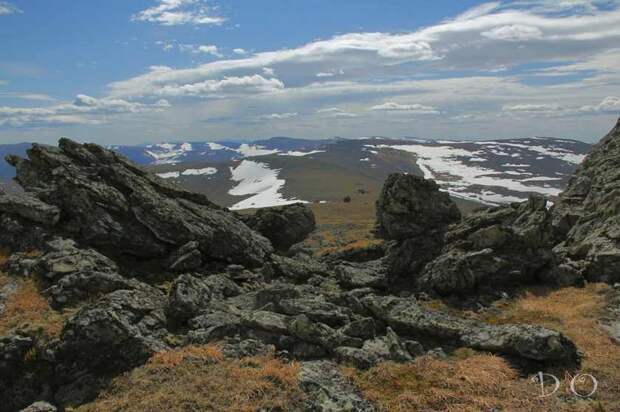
384,348
529,342
187,297
415,214
40,406
29,207
587,216
81,286
187,257
13,349
297,270
116,333
316,308
214,325
76,274
109,203
25,221
328,391
410,206
62,258
500,247
284,225
353,275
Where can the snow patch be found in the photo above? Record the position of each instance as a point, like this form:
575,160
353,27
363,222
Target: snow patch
168,153
217,146
248,150
169,175
300,154
257,179
442,164
198,172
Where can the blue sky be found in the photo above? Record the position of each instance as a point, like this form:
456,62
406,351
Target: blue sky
152,70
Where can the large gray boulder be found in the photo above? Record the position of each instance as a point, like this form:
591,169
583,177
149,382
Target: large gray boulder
587,216
119,331
284,225
529,342
494,248
109,203
411,206
413,213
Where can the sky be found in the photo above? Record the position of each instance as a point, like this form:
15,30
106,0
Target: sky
130,72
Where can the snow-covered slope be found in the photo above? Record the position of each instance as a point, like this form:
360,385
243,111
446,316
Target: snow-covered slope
257,179
495,172
281,170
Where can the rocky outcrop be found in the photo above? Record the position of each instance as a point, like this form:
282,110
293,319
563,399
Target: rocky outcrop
74,275
284,225
60,257
501,247
216,279
121,329
587,216
408,318
118,332
413,213
108,203
28,207
411,206
25,221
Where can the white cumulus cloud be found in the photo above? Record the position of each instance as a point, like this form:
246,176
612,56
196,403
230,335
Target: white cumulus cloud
514,32
178,12
229,85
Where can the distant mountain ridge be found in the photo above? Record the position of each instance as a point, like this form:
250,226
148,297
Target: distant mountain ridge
282,170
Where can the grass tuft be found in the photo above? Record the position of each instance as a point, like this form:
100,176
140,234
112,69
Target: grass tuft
199,378
27,309
471,381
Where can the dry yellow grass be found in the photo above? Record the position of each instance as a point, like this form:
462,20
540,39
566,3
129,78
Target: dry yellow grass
26,309
343,225
470,381
172,358
198,378
4,255
575,312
